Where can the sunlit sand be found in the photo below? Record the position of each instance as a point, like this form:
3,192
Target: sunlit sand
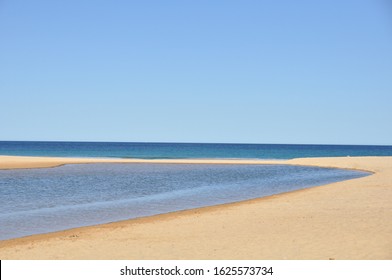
344,220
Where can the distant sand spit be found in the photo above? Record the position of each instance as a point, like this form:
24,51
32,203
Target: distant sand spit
344,220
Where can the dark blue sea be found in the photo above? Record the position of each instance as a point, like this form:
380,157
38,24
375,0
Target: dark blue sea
186,150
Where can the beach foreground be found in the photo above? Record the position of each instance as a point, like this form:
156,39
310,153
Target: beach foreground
344,220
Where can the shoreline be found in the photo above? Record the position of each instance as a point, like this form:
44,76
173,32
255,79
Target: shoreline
172,235
29,162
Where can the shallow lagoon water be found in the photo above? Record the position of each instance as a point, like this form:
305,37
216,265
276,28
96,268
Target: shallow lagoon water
45,200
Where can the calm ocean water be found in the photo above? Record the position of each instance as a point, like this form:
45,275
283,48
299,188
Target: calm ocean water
186,150
51,199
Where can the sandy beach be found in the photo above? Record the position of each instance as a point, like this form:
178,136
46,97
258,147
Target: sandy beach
344,220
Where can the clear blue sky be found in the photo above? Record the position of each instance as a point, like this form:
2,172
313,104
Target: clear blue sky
197,71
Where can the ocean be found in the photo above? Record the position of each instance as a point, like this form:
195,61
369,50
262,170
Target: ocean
186,150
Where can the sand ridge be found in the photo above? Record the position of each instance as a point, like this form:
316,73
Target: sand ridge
344,220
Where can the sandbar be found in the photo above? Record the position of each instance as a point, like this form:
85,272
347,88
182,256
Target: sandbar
344,220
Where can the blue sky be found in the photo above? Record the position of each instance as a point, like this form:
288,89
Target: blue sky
197,71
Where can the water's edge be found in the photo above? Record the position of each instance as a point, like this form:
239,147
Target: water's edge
363,174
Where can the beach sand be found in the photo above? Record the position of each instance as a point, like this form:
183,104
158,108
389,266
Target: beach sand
344,220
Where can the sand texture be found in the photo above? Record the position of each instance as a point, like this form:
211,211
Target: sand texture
344,220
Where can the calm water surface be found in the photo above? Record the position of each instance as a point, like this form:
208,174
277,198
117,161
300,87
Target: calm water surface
51,199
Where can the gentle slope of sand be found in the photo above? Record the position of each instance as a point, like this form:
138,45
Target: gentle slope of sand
345,220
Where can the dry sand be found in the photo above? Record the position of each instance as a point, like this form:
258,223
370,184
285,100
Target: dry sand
345,220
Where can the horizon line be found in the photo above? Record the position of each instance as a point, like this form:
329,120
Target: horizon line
185,142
